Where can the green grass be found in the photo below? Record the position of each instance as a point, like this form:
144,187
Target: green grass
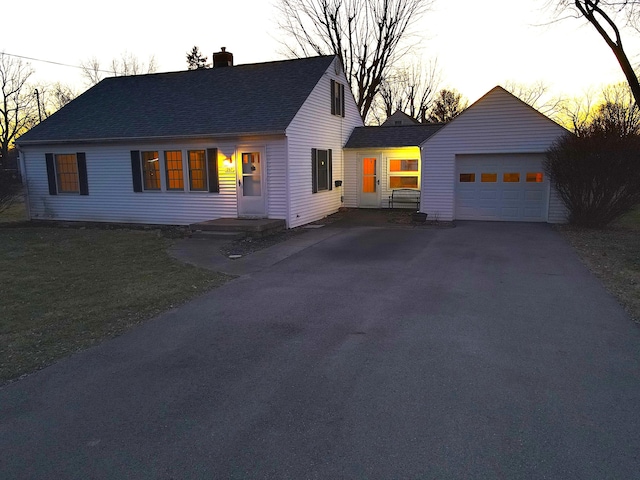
63,289
613,254
15,213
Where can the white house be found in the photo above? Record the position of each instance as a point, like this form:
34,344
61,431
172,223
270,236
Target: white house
486,164
260,140
279,140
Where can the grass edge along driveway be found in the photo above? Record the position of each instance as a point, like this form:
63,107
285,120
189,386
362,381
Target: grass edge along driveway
64,289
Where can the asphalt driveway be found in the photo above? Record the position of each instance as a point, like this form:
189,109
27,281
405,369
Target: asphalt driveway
481,351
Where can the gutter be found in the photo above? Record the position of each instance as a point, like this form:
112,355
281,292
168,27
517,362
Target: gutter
79,141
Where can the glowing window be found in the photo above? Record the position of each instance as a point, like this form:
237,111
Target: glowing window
151,170
173,166
511,177
67,173
467,177
489,177
403,165
197,170
535,177
403,182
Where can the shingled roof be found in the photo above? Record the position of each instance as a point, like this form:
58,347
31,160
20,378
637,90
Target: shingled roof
394,136
244,99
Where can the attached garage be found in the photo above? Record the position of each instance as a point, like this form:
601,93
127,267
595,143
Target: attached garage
501,187
487,164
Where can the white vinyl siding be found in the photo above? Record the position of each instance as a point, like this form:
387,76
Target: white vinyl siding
112,199
352,171
498,123
315,127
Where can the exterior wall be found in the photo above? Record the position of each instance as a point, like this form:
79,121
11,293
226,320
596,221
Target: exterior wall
352,158
497,123
112,199
315,127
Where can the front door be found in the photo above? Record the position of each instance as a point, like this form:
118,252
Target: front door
369,182
251,199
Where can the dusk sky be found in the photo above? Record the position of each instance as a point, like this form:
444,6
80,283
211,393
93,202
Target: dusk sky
477,44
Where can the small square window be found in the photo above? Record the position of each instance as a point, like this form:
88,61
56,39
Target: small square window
535,177
511,177
403,165
467,177
489,177
403,182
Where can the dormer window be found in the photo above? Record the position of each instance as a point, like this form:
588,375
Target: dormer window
337,98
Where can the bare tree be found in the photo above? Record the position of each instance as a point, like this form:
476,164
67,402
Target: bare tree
576,113
618,114
127,64
195,59
368,36
410,89
447,106
537,95
608,17
18,102
53,97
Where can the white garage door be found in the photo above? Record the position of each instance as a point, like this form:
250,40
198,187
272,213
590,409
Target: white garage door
501,187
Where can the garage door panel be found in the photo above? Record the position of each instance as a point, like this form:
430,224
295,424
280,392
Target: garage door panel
533,196
511,195
486,194
501,200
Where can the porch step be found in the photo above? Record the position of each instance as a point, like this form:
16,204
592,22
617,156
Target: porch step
217,235
252,227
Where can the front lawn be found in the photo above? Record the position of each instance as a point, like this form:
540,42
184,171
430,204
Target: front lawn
613,254
63,289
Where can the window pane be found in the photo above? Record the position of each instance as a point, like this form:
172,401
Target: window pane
489,177
323,170
535,177
173,164
511,177
403,165
197,170
67,173
467,177
403,182
369,175
151,170
251,175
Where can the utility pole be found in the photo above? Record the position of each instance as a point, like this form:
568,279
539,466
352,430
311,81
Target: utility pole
38,100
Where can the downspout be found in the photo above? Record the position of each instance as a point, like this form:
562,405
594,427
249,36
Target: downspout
287,177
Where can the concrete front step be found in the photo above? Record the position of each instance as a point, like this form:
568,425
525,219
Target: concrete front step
217,235
253,227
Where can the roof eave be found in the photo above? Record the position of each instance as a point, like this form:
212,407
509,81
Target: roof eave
29,143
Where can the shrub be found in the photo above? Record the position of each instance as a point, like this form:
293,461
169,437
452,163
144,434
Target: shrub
596,174
10,188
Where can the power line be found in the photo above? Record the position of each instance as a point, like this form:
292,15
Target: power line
52,62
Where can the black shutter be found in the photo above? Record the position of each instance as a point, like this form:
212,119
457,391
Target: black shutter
82,173
136,170
329,170
342,99
51,174
333,97
212,162
314,170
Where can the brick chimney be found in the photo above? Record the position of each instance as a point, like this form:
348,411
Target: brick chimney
223,58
